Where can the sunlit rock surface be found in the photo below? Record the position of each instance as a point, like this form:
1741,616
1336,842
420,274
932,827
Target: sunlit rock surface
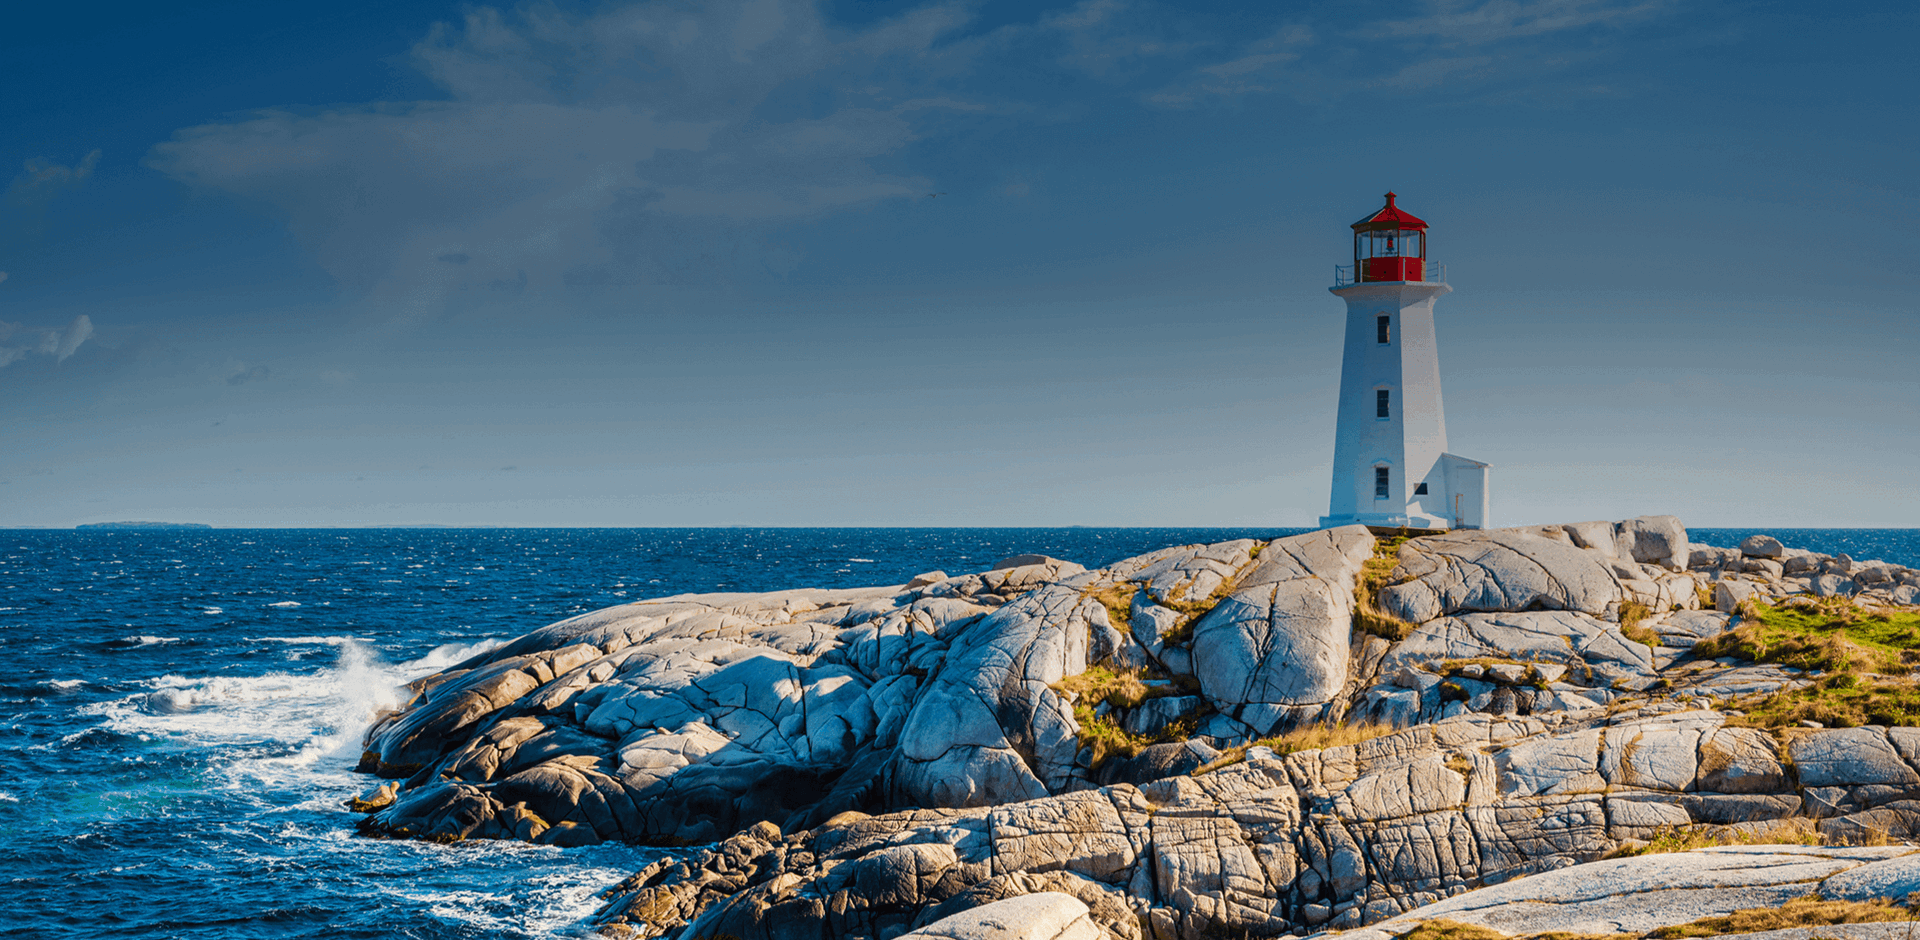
865,763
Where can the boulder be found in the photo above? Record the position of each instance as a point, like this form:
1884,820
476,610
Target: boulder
1044,916
1497,570
1659,540
1729,594
1585,644
1275,650
1762,546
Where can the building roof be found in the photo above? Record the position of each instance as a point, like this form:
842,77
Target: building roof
1389,217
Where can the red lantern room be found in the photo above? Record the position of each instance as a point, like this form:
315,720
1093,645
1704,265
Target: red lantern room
1390,245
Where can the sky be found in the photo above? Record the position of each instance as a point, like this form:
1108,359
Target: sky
944,264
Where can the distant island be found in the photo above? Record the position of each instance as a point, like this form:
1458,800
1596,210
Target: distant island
143,525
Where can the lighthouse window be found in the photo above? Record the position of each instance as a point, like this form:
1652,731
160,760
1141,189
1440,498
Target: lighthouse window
1383,403
1420,489
1382,476
1385,325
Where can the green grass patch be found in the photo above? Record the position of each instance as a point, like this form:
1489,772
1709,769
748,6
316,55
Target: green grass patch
1831,634
1841,700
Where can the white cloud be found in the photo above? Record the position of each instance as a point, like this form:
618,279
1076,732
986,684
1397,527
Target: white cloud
641,144
59,344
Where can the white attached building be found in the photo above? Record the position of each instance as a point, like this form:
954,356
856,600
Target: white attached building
1390,460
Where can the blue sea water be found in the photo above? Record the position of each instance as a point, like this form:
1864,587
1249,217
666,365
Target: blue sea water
180,711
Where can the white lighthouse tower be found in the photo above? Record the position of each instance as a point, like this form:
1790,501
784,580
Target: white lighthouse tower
1390,460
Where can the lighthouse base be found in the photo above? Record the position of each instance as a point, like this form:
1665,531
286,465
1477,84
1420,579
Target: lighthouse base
1389,521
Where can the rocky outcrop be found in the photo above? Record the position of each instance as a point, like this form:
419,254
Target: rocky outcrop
689,718
1332,838
874,762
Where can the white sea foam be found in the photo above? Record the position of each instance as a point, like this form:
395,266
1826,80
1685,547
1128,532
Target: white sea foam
284,604
143,640
6,797
212,610
65,684
317,719
868,561
307,640
448,654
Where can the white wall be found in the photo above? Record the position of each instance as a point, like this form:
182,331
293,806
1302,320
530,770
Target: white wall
1412,439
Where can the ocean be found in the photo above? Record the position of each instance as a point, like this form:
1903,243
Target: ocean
181,710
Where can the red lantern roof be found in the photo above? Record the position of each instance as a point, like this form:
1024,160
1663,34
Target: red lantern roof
1387,218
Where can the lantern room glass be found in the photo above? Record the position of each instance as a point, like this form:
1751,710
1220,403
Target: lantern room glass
1390,255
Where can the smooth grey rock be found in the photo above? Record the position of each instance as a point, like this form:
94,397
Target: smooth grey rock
1657,753
1043,916
1640,894
1849,757
1155,714
1833,585
1893,878
1659,540
1728,594
1581,642
1282,638
1762,546
1497,570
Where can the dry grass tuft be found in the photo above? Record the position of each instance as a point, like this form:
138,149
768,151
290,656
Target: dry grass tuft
1631,614
1444,929
1376,573
1119,689
1310,738
1810,911
1687,838
1118,600
1454,930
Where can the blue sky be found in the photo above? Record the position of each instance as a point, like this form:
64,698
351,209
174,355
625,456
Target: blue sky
681,264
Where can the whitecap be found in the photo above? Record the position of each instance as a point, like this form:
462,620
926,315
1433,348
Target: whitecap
284,604
868,561
65,684
144,640
212,610
306,640
6,797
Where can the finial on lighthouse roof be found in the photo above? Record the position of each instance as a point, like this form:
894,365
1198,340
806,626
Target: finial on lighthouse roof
1389,216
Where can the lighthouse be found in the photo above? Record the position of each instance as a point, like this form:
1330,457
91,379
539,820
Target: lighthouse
1390,460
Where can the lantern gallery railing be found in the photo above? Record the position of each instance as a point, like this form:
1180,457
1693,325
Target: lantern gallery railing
1433,273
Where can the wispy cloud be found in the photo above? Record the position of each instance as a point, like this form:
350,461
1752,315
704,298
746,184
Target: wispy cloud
41,179
1495,21
60,344
243,374
1454,43
640,144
